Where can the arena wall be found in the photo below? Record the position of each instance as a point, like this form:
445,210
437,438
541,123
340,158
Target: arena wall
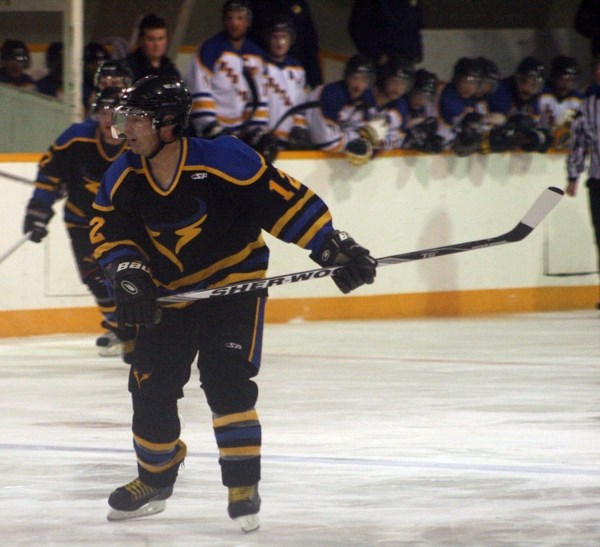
397,203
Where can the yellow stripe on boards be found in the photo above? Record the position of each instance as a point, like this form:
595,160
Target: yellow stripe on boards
389,306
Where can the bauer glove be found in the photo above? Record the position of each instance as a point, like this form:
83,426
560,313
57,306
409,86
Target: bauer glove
37,216
134,294
359,267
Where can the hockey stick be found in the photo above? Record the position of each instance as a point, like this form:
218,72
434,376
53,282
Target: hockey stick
537,212
14,247
16,178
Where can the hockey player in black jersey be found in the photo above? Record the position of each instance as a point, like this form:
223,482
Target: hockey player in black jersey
176,214
74,165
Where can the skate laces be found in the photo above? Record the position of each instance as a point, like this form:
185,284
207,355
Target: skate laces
241,493
138,489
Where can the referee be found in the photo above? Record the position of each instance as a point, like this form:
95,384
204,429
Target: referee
585,138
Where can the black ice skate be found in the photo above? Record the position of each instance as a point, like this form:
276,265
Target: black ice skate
137,499
244,505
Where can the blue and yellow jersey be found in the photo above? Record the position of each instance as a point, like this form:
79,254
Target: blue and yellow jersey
205,230
75,164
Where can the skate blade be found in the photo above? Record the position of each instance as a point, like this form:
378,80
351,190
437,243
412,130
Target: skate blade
150,508
248,523
110,351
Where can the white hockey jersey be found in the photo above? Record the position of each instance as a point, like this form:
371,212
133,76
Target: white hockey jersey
283,87
337,121
220,91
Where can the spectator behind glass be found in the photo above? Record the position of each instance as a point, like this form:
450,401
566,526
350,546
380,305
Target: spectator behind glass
379,28
150,57
224,78
94,54
306,46
14,61
52,83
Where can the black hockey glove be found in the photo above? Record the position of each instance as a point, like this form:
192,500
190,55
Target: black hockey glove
134,293
359,266
37,216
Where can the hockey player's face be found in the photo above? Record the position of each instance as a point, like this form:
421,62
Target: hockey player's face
467,87
418,99
104,117
563,85
357,84
395,87
137,128
528,86
236,23
279,44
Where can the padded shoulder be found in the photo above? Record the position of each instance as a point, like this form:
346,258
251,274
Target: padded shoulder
228,157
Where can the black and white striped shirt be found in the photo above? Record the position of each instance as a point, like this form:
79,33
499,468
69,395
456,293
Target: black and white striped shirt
585,139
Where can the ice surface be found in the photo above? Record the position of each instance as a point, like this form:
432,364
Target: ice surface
480,431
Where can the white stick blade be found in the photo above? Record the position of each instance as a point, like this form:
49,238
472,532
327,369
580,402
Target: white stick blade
542,206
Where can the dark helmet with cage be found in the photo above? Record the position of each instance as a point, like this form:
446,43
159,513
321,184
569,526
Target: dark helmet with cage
164,99
359,64
563,66
15,50
237,5
113,73
397,66
107,99
425,82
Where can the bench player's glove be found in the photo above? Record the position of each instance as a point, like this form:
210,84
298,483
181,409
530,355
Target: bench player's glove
37,216
134,294
359,267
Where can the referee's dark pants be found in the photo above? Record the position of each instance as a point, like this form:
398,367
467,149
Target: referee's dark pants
226,333
594,193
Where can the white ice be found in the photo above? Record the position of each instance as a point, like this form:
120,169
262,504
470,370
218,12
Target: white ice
454,432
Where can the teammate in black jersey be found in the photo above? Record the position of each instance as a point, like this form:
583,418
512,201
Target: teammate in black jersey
176,214
74,164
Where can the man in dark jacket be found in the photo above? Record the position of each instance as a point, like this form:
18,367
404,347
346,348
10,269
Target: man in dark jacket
380,28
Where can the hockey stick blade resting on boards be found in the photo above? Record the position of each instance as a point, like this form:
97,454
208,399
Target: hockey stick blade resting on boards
536,213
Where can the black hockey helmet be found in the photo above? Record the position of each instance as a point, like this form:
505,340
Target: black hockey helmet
359,64
106,99
488,69
563,66
280,23
425,82
466,67
397,66
530,66
15,50
113,73
165,99
237,5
